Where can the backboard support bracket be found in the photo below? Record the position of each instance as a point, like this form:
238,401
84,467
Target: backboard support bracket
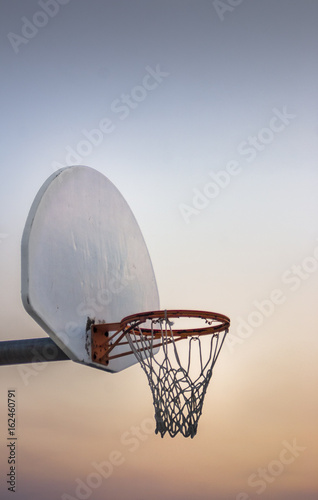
105,338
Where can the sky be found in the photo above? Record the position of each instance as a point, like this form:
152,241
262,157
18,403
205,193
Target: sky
204,115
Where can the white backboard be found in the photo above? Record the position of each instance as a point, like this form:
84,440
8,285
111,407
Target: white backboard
84,260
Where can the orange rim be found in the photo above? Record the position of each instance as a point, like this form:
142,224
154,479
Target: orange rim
216,322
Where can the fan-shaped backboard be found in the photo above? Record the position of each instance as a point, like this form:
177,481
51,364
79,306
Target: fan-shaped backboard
84,260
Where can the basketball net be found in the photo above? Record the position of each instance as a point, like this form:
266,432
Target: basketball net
178,395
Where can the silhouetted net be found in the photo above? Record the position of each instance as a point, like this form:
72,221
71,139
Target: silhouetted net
178,388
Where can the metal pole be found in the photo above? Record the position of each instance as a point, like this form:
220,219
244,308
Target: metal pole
14,352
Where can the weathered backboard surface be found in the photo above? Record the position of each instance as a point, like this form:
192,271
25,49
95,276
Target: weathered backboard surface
84,260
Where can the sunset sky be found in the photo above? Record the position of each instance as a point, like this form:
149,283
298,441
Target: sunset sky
204,115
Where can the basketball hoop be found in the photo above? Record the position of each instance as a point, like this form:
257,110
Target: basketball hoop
178,386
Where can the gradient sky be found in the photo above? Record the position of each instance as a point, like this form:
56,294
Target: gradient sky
237,94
